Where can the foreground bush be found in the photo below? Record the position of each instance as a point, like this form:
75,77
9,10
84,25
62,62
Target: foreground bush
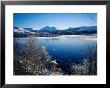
88,66
33,60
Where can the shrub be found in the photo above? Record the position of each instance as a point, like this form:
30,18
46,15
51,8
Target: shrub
34,60
88,66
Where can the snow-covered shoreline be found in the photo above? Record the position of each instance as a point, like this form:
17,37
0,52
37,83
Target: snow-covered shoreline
86,37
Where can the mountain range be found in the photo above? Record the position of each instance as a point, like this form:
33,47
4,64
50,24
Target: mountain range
47,29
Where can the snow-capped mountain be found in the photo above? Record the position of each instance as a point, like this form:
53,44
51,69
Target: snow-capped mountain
29,29
48,29
54,30
22,30
83,28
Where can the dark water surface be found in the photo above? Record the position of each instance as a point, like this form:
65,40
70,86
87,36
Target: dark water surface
65,49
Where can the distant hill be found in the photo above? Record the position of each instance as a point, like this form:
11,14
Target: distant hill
78,30
48,29
28,29
20,30
23,30
83,28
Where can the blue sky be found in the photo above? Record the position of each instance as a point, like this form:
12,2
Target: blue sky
59,20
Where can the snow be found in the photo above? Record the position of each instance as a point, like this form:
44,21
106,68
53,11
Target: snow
54,61
20,30
85,37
